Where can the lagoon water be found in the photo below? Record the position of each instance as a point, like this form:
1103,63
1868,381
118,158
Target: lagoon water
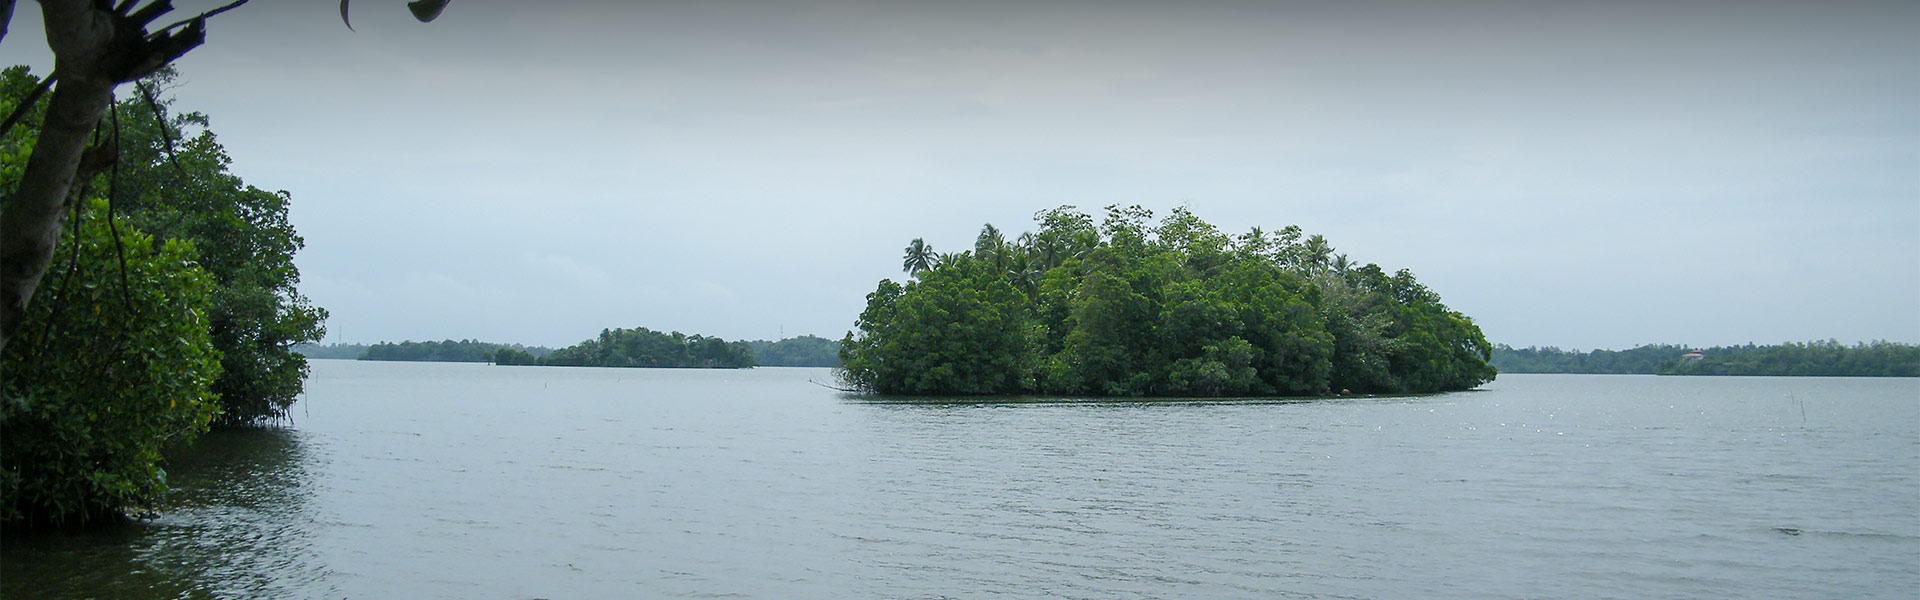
421,480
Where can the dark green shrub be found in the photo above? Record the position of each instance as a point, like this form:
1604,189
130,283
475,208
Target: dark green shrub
107,370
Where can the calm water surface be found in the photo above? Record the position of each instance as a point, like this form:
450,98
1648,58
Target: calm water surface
418,480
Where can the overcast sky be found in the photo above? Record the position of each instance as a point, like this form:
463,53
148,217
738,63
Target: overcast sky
1585,175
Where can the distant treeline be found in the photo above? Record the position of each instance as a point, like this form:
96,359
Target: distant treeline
1828,358
445,351
1817,359
803,351
1644,360
336,350
640,347
441,351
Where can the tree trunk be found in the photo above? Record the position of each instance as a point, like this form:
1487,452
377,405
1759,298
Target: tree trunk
30,225
95,50
6,17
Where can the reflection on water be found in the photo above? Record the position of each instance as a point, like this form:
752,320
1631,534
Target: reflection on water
235,525
416,480
939,401
943,401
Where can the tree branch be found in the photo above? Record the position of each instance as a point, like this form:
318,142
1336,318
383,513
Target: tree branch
26,105
30,225
95,48
6,17
203,16
166,129
145,16
113,189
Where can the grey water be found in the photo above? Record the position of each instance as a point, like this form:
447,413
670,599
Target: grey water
423,480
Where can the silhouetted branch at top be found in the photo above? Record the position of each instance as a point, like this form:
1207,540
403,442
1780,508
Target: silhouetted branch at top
203,16
97,45
6,16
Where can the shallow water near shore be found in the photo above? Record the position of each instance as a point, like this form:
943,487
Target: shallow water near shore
424,480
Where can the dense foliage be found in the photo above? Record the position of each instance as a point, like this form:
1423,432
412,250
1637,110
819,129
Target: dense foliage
199,332
1821,359
446,351
176,184
640,347
180,186
802,351
1129,308
113,363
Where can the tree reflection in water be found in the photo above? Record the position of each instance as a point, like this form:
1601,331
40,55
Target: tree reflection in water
237,524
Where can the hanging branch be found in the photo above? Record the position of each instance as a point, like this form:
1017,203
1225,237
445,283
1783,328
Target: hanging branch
173,156
166,130
60,291
96,158
119,249
201,18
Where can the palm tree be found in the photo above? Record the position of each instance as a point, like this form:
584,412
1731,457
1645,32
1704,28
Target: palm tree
1253,244
1318,251
941,260
989,239
920,257
991,246
1048,251
1025,273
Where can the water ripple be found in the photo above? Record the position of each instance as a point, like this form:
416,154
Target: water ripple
460,481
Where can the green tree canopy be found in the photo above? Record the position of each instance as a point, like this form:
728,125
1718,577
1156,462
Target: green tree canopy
1134,307
112,364
961,329
446,351
801,351
642,347
173,180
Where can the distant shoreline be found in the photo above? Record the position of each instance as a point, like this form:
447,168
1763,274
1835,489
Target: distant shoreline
1813,359
640,348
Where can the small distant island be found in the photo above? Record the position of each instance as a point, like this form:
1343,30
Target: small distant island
1812,359
446,351
412,351
639,347
1175,308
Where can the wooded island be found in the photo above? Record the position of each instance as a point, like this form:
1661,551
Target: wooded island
1126,307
